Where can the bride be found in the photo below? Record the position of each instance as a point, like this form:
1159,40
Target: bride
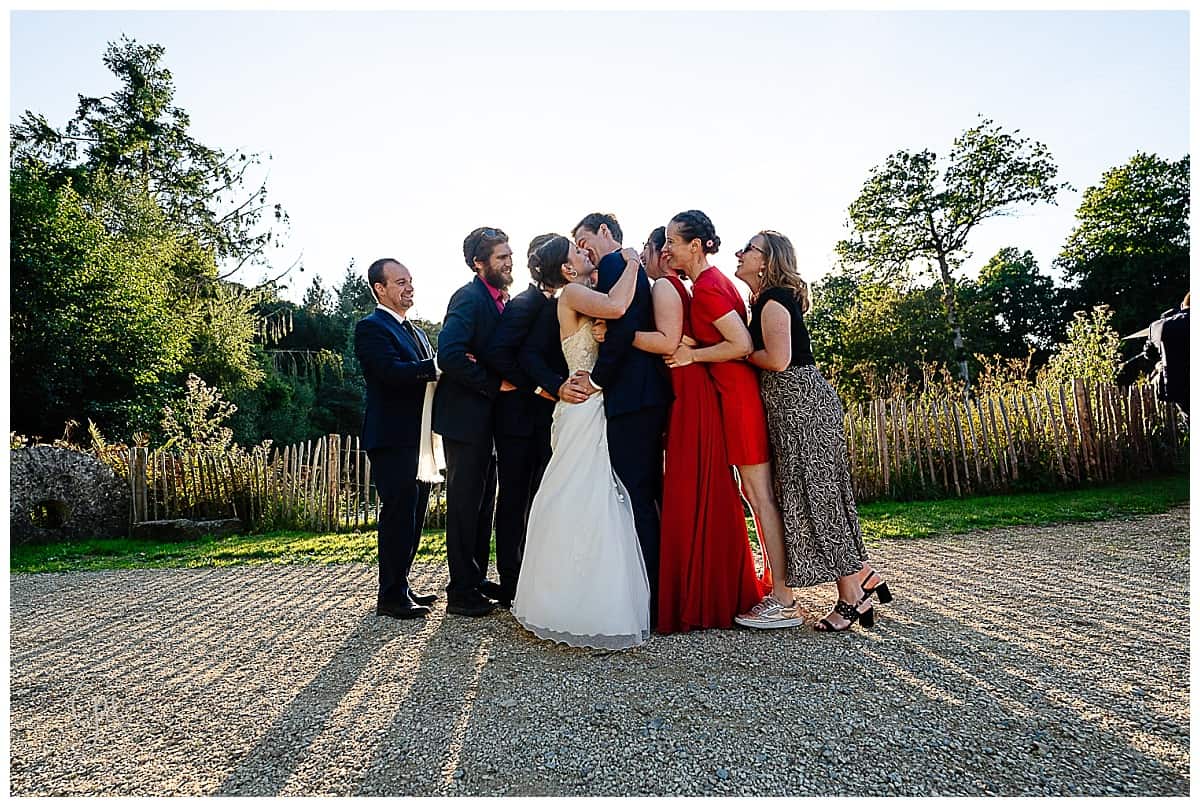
583,580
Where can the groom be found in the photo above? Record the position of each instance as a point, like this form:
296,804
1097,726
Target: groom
637,390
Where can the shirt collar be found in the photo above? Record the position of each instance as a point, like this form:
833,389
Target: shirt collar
492,290
399,317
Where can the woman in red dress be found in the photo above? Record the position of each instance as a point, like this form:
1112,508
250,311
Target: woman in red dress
706,569
718,321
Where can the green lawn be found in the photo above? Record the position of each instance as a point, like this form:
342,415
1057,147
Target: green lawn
880,520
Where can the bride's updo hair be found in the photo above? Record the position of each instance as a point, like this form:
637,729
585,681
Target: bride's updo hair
547,254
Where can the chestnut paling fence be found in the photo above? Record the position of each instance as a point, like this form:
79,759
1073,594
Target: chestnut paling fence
920,447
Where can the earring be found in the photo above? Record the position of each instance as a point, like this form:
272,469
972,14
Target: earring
760,274
572,273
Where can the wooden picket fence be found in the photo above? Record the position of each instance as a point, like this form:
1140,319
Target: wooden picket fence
1039,439
926,447
322,484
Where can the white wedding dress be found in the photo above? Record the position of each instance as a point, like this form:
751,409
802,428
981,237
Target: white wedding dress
583,579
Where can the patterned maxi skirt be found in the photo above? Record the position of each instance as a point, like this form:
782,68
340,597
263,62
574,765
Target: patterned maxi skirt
812,476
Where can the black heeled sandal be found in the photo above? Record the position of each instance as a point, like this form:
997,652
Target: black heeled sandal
881,590
851,614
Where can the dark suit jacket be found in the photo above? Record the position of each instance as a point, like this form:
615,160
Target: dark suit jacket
466,392
396,375
631,378
541,355
518,413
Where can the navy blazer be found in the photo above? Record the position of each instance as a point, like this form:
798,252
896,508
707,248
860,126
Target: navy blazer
632,379
396,368
520,412
541,353
464,402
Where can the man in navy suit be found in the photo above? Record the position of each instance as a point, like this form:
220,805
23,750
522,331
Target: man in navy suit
464,415
637,390
397,364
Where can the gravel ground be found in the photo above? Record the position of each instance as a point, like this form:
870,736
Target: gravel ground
1025,661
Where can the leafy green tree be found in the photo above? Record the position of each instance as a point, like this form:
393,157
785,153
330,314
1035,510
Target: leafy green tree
1130,246
911,212
1012,307
136,132
95,320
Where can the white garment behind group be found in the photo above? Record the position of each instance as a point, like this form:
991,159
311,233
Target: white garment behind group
583,579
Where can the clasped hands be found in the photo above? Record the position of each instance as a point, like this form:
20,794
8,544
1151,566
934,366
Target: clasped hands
683,355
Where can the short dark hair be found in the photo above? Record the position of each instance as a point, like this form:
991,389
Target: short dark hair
478,244
592,221
375,272
658,237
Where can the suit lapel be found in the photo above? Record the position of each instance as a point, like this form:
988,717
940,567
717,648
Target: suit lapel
393,325
490,304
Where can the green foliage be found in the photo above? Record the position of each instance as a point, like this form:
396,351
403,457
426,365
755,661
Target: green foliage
1092,350
1130,246
135,132
95,318
909,213
880,521
1015,305
197,421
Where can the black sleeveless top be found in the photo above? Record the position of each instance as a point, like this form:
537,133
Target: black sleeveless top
801,347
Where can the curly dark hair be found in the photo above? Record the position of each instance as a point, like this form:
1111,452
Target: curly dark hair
592,221
694,224
546,259
478,245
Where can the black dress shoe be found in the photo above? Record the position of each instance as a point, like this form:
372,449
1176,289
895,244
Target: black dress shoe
489,589
401,610
469,604
423,599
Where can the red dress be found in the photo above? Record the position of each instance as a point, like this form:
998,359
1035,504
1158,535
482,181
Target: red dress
743,417
706,569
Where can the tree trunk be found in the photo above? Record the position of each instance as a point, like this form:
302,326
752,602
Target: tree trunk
951,306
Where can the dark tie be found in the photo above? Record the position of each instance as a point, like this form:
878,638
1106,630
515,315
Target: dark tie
412,333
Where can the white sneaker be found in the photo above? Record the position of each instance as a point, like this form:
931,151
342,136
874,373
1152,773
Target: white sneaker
771,613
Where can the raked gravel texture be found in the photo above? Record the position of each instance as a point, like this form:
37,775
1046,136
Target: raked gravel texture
1022,661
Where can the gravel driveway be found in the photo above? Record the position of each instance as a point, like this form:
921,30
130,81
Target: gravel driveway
1023,661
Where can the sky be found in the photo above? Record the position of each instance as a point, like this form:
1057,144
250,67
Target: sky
394,134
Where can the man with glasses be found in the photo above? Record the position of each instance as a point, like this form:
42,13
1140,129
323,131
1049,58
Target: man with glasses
397,364
464,415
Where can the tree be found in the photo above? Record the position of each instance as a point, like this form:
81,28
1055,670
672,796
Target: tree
908,212
95,321
136,133
317,299
1013,307
1130,246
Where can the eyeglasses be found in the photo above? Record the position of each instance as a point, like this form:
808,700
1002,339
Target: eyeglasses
750,246
488,232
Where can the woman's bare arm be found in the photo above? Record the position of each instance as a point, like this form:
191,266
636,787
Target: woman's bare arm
668,317
777,338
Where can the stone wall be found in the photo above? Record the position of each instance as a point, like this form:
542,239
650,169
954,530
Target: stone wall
61,495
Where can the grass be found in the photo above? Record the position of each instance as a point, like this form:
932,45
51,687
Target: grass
880,520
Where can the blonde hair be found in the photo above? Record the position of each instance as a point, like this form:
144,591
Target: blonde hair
780,270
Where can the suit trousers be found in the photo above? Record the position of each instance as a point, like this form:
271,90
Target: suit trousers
470,502
635,447
403,501
521,461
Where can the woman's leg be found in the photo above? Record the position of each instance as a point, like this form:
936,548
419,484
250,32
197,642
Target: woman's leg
759,490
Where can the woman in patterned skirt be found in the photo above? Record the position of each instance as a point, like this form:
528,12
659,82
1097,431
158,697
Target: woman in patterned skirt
808,441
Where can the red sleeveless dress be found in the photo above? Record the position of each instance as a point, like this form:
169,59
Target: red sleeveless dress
743,417
706,569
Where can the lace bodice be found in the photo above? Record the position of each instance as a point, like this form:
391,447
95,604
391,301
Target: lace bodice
580,349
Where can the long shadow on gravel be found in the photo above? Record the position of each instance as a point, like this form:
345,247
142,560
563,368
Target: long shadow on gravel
271,762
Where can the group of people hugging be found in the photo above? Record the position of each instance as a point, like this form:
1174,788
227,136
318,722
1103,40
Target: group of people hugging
614,420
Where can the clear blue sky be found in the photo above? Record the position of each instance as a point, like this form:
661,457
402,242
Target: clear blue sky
396,133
